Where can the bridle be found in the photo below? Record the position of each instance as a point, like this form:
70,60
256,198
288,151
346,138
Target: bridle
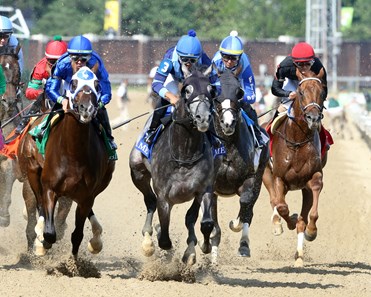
311,104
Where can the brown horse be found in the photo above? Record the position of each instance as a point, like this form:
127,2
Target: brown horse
10,104
75,165
297,163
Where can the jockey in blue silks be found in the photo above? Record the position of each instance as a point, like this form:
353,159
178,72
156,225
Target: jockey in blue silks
80,53
7,39
188,51
231,55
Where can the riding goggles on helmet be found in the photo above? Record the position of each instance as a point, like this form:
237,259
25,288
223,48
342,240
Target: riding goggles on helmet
5,35
229,57
188,60
303,64
82,58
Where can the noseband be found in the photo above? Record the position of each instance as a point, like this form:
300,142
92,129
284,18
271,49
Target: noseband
312,104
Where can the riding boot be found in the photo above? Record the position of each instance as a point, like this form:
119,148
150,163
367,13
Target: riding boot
158,114
253,116
104,120
35,108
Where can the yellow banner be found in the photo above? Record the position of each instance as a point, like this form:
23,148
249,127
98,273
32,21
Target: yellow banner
111,15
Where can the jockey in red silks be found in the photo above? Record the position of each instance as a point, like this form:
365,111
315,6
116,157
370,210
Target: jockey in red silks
285,82
41,72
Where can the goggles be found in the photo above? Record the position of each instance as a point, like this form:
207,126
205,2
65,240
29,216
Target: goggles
5,35
51,62
303,64
82,58
188,60
227,58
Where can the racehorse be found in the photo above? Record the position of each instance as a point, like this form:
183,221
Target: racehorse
239,173
10,104
181,168
75,165
297,163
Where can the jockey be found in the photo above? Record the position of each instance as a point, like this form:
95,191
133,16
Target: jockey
303,58
41,72
80,53
188,51
231,56
7,39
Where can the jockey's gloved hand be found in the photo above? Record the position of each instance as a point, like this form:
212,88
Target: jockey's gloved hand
105,99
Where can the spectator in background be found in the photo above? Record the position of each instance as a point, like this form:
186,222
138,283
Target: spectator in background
122,98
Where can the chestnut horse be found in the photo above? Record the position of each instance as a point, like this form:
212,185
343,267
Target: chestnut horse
297,162
181,168
10,104
75,165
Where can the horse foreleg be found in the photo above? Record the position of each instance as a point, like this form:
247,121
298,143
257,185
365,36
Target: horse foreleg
7,179
82,212
281,205
207,223
95,244
49,201
31,207
215,235
315,185
164,209
189,256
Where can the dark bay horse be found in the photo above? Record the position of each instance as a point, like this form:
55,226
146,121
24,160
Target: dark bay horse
10,104
297,163
181,168
242,165
75,165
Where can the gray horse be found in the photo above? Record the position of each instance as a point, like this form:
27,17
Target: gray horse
181,168
242,166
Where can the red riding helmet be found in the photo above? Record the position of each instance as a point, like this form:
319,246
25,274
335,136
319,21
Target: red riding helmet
302,52
56,48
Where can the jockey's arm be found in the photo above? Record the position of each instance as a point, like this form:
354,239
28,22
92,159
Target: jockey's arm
163,71
105,84
248,86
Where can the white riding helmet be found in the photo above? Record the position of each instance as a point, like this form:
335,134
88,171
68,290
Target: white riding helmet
5,25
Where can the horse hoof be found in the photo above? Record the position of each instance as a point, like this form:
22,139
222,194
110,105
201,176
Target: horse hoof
277,229
38,248
148,247
190,259
244,250
95,246
310,237
299,262
4,221
235,225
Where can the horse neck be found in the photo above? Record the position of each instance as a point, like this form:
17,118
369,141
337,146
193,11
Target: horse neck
297,129
79,135
184,137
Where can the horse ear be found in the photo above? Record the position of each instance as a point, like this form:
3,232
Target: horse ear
212,90
237,71
73,85
95,68
208,70
321,73
239,93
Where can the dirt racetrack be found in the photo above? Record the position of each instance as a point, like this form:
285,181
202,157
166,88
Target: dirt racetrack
337,263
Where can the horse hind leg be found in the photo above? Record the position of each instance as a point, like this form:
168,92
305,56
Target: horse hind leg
62,211
29,214
7,179
95,244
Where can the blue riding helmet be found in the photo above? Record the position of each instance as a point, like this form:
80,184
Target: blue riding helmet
80,45
231,45
6,25
189,45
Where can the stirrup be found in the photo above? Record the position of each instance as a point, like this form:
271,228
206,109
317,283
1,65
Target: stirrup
150,136
113,144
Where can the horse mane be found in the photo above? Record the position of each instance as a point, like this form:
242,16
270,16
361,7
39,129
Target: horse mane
10,51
